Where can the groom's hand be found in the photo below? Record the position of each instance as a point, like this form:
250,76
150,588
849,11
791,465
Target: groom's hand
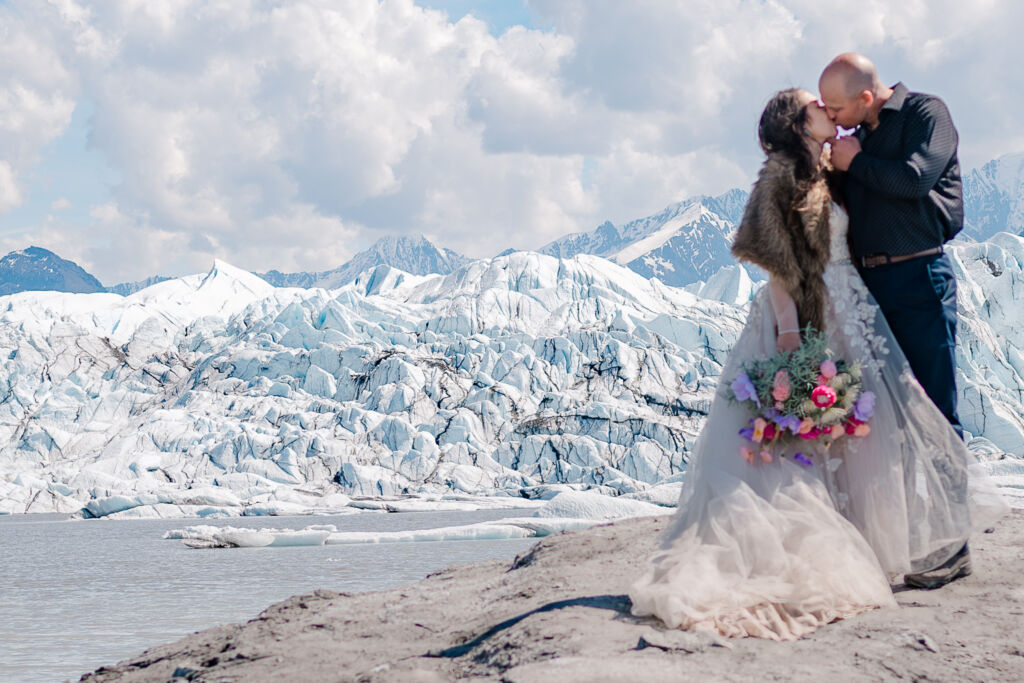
843,152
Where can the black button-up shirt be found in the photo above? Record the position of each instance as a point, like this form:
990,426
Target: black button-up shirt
903,189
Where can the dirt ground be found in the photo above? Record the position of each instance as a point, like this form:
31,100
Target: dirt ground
560,613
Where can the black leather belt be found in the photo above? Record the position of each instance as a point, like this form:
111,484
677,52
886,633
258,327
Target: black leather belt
876,260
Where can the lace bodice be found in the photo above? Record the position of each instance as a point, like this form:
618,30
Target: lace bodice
850,303
838,224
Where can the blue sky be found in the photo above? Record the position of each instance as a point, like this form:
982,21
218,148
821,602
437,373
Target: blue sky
498,14
146,138
69,169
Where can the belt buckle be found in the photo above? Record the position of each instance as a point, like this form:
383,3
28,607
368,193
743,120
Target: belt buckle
875,260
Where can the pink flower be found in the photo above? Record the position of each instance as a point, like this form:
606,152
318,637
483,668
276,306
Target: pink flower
747,455
823,396
766,455
851,424
837,431
828,369
781,388
811,435
862,430
759,425
806,425
770,432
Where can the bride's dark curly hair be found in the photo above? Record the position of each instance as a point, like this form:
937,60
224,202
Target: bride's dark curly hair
781,131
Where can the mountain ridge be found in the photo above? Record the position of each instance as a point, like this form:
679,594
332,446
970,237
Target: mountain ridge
684,244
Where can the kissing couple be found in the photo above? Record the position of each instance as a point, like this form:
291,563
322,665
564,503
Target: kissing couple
774,544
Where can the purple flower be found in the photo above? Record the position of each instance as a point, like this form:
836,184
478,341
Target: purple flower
803,460
747,433
790,422
744,389
864,408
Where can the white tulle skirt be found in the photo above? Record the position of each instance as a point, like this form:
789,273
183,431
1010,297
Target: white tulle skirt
775,550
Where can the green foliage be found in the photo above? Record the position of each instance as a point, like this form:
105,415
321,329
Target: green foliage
803,367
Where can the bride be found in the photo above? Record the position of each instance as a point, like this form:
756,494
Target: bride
776,549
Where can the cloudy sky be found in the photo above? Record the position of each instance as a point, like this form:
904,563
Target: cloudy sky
151,136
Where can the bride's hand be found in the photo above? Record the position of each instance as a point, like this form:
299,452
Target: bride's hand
788,341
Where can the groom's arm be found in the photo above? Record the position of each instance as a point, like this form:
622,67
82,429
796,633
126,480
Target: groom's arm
929,143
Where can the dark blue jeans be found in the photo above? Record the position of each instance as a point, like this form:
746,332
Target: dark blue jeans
918,299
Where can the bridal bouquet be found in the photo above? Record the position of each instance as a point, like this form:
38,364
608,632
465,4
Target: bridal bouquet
801,398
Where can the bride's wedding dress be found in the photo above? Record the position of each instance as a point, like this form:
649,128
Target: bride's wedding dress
775,550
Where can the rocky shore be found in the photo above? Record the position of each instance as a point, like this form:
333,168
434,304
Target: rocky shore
559,612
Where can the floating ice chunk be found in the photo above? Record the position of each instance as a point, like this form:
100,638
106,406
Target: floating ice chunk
545,526
587,505
244,538
205,536
191,532
469,532
247,538
568,511
275,508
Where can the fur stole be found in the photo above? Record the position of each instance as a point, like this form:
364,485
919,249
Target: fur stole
788,236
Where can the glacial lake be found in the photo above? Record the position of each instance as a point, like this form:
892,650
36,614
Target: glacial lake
78,594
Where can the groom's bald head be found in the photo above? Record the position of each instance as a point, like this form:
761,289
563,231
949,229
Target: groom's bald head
848,87
851,73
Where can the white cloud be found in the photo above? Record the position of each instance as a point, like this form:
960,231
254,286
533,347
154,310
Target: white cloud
10,195
60,204
291,135
36,100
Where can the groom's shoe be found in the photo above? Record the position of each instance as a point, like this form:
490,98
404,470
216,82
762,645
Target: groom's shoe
952,569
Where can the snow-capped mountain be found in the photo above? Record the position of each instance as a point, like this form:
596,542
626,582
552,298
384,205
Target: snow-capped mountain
412,255
38,269
220,394
994,198
686,243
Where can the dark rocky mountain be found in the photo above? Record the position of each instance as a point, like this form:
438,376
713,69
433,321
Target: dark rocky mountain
38,269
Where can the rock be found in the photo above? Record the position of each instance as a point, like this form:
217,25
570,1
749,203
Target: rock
681,641
919,641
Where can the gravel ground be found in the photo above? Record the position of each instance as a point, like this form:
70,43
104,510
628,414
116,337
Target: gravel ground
559,612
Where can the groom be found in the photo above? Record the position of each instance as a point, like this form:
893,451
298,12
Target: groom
903,195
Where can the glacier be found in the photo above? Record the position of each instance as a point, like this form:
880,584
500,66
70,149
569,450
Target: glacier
994,198
502,383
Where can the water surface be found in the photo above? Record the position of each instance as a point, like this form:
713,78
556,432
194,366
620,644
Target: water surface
75,595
